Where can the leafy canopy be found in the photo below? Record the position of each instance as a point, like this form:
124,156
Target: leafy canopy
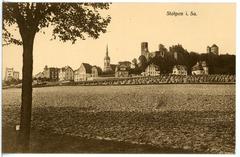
69,20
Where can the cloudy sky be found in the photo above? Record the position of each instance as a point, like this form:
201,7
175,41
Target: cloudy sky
133,23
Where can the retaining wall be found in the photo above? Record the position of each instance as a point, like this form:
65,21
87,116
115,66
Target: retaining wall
162,79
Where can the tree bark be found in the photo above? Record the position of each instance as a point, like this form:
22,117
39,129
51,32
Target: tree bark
26,106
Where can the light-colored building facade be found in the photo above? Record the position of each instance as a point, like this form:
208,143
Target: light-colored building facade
10,74
83,73
16,75
152,70
205,67
179,70
96,71
66,74
121,71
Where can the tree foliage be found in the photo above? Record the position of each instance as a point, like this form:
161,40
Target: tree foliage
69,20
142,63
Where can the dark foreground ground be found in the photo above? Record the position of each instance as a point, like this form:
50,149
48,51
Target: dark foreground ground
43,142
59,130
126,119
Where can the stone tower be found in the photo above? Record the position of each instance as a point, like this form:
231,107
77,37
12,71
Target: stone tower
144,49
161,50
107,66
213,49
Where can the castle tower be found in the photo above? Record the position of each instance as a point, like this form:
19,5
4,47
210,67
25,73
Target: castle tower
214,49
161,50
144,49
107,66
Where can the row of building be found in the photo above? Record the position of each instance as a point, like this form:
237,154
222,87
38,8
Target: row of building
84,72
122,69
199,69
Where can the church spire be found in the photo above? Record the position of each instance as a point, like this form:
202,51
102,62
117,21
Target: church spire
107,51
107,61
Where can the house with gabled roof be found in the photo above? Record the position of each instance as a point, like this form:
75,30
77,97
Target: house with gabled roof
66,74
200,68
152,70
179,70
96,71
122,69
83,73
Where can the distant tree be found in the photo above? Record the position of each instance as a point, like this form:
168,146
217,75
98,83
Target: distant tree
134,62
136,70
182,54
12,82
222,64
193,58
71,21
217,64
162,49
143,63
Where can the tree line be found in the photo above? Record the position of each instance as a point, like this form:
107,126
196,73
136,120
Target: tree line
177,55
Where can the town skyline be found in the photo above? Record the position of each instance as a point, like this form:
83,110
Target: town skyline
126,32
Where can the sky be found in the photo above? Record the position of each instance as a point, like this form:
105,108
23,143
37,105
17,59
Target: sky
131,24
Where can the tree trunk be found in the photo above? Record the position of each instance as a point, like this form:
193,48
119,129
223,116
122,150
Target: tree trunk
26,106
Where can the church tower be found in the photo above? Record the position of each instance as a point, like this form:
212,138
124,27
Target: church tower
107,66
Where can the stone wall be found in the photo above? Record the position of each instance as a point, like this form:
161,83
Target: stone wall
162,79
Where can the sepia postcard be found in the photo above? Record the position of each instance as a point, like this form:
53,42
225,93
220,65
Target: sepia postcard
122,78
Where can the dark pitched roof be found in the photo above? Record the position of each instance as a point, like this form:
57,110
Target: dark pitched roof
181,67
88,67
98,69
214,45
38,75
65,68
199,66
122,66
124,62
